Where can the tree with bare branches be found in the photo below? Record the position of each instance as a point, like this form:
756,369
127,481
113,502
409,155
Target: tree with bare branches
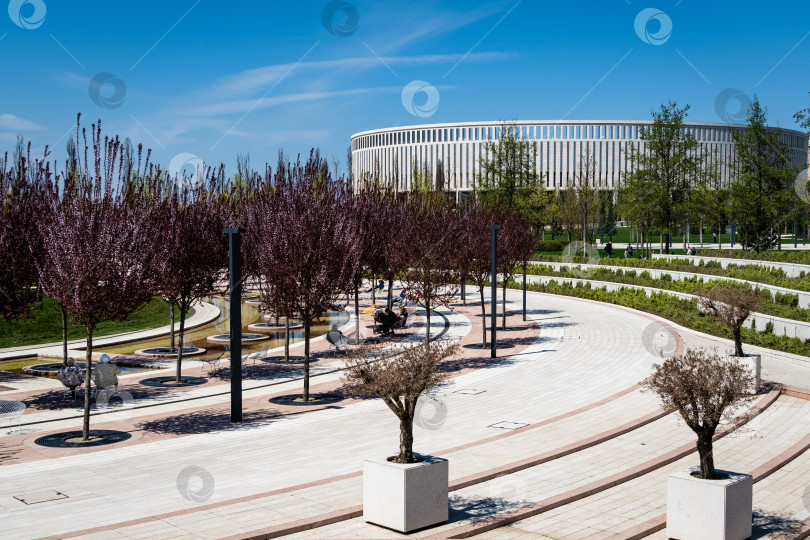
399,379
731,303
700,385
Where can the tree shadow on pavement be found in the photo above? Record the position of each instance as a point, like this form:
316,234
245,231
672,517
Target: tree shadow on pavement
481,508
207,421
257,370
771,523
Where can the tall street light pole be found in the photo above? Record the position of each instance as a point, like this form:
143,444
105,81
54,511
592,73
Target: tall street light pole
494,281
235,271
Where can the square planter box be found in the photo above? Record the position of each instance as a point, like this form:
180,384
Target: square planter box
709,509
405,497
754,364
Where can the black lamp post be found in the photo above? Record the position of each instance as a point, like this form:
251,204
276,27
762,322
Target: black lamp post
235,271
494,229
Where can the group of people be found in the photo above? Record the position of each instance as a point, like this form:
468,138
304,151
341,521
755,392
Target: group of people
387,319
72,376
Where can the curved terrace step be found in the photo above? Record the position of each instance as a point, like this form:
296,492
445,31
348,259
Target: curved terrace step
642,499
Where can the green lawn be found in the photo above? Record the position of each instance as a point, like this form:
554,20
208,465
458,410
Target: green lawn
46,325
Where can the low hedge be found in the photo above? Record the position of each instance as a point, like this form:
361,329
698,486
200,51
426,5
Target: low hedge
782,305
680,311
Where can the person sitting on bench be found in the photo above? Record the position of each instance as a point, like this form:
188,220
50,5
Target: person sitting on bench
389,320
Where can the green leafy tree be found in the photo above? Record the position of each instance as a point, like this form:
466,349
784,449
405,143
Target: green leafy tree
667,165
761,190
803,118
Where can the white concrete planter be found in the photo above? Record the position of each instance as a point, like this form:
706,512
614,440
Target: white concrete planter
754,364
405,497
709,509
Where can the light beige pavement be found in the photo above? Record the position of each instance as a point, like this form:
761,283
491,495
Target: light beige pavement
586,352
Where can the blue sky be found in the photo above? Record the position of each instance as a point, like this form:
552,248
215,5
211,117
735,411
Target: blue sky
213,79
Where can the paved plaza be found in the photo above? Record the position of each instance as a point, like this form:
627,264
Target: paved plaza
554,439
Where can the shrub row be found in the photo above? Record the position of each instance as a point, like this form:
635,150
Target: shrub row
680,311
783,305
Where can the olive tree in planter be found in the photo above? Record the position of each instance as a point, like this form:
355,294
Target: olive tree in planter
703,502
407,491
732,304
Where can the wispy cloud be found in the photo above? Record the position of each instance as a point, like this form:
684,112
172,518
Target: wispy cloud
233,107
252,81
9,121
433,25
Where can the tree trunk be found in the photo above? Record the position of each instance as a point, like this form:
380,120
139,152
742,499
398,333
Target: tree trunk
171,332
737,341
88,368
719,237
405,438
390,301
287,339
463,290
306,358
356,314
183,312
64,340
427,319
483,317
503,309
373,292
701,234
704,447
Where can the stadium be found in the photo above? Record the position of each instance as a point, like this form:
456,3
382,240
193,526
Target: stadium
390,155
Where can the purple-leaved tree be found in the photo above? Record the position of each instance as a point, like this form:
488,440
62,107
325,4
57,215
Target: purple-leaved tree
99,250
195,250
303,243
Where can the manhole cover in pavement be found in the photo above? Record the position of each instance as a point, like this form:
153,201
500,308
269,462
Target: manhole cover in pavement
508,425
469,391
40,496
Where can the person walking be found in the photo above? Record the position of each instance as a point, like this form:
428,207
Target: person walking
609,249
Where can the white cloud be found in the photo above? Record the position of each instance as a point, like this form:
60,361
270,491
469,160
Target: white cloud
9,121
244,105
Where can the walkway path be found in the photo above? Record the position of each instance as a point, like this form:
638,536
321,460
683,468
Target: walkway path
571,383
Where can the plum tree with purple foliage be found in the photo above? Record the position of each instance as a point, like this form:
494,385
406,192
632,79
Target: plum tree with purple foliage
99,249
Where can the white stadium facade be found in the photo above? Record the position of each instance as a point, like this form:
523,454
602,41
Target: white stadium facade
558,147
